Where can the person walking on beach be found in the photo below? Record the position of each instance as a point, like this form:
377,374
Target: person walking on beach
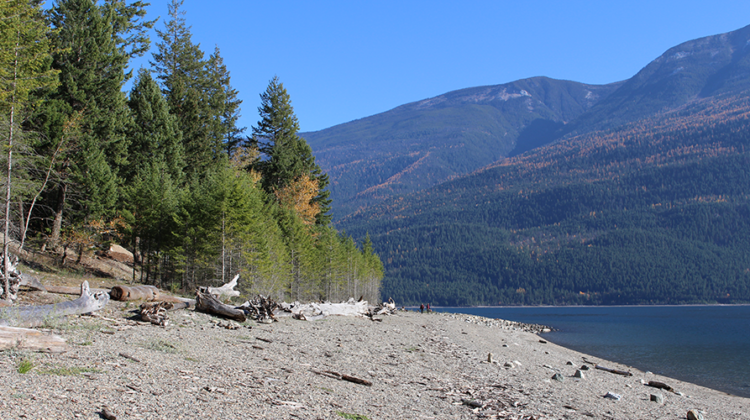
421,308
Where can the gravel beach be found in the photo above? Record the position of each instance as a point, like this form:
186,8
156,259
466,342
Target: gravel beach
411,365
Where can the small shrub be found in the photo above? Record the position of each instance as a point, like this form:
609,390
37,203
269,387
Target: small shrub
25,366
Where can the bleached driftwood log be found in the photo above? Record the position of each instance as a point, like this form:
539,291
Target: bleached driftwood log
12,338
33,316
70,290
226,290
314,311
208,303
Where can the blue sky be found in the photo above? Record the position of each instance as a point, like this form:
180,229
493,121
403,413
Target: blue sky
344,60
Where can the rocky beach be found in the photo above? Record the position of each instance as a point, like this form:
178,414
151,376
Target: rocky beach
406,366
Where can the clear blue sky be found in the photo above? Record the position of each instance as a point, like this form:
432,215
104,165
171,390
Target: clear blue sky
344,60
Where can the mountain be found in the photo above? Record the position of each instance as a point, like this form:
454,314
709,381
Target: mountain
638,194
698,69
657,211
421,144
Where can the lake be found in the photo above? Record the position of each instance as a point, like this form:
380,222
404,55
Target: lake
706,345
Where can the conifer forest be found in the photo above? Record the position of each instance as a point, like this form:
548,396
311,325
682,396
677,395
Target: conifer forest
162,169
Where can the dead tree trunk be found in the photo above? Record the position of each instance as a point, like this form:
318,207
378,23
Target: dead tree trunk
27,339
206,302
33,316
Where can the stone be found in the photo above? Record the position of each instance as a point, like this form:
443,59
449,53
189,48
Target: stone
657,398
569,363
694,415
118,253
557,377
579,374
489,358
543,341
585,367
508,365
613,396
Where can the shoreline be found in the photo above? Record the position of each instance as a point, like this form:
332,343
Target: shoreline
569,334
431,366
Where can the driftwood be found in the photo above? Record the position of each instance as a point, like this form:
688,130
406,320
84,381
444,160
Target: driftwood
156,312
128,293
260,309
28,339
314,311
208,303
70,290
660,385
31,282
33,316
13,280
619,372
342,377
226,290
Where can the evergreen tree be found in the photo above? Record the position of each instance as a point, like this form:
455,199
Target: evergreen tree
154,135
24,68
180,66
92,49
225,105
286,157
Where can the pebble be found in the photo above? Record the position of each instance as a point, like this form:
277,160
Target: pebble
557,377
579,374
613,396
694,415
657,398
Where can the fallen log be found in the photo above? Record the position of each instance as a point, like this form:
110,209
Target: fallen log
128,293
34,316
226,290
208,303
12,338
618,372
660,385
70,290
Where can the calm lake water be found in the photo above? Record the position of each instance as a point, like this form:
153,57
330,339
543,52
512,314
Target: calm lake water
705,345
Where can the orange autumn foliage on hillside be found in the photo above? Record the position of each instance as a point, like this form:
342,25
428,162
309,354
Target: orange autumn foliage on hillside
298,195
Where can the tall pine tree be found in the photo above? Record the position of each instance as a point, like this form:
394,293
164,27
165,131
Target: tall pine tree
286,157
93,45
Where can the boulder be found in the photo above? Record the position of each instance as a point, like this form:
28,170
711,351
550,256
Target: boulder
118,253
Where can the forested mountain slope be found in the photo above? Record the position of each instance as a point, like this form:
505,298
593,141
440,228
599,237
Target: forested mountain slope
653,212
421,144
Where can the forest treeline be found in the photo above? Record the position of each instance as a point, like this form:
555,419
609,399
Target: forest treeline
163,169
654,212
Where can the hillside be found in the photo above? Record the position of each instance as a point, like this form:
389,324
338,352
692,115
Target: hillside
698,69
653,212
422,144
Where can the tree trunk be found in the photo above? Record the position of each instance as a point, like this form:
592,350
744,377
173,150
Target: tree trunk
33,316
206,302
26,339
54,237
